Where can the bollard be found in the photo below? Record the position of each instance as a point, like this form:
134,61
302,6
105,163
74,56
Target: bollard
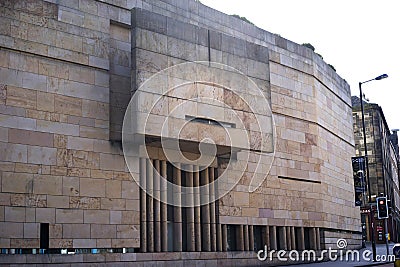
396,253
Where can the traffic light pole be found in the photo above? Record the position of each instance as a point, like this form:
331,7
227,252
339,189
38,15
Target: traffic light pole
387,237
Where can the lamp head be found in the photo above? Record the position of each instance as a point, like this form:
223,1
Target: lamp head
383,76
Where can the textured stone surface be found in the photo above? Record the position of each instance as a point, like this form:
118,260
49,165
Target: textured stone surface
67,78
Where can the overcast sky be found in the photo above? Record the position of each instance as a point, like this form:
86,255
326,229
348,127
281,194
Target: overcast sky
360,38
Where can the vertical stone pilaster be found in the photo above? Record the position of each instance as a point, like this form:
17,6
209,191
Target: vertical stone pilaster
177,178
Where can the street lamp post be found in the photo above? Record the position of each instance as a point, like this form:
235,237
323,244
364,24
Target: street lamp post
371,217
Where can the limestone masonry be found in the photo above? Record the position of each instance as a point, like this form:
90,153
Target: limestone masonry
68,69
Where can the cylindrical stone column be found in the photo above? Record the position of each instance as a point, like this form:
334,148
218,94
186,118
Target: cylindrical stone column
157,208
282,238
143,207
266,237
190,231
149,205
313,239
213,226
177,178
251,238
197,210
240,238
224,237
163,206
288,238
219,238
205,211
246,237
302,240
293,238
274,242
318,237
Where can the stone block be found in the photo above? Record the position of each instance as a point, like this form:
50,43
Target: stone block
97,216
42,155
94,109
69,216
45,215
112,162
92,187
71,187
34,81
130,190
45,101
113,189
31,138
84,243
98,62
113,204
60,243
68,105
75,231
57,127
53,69
20,97
25,243
81,121
55,231
81,74
57,201
17,182
94,133
46,184
31,230
103,231
127,231
60,141
13,152
84,203
115,217
11,230
103,243
14,214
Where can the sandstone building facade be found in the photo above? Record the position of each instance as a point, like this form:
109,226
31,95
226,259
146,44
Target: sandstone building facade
68,70
383,162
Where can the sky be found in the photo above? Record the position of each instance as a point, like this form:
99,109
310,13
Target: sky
360,38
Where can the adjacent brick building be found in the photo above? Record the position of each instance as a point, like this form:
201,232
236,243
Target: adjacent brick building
68,69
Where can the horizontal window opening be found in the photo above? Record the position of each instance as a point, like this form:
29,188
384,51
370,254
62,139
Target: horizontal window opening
210,122
299,179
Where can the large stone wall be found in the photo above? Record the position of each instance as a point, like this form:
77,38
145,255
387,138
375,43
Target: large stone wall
66,76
